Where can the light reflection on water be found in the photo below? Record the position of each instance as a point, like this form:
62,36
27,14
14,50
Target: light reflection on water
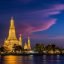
10,60
45,59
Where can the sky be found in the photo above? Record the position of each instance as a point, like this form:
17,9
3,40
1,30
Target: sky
41,20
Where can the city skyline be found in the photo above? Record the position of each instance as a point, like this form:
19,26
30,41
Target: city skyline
43,21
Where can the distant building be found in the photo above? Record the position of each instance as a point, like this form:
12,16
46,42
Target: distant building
12,39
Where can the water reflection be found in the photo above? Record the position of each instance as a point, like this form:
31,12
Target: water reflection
16,60
10,60
45,59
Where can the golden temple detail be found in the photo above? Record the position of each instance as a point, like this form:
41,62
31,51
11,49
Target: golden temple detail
27,46
12,39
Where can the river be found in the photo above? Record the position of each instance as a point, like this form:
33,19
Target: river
32,59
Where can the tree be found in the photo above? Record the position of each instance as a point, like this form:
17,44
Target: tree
49,47
17,48
2,49
39,48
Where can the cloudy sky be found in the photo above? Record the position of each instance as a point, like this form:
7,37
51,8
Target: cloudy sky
42,20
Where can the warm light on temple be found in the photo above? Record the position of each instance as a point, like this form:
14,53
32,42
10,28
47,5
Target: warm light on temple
12,39
25,46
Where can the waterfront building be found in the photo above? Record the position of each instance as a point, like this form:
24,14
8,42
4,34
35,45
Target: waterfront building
12,38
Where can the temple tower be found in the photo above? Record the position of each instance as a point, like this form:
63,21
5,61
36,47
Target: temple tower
12,39
20,40
25,46
12,32
29,46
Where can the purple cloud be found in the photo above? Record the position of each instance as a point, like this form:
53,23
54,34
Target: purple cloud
40,20
44,25
58,7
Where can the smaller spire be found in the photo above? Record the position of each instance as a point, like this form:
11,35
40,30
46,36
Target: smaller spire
20,40
29,44
25,46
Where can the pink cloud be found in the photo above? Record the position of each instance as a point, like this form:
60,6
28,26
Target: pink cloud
58,7
52,10
40,20
26,29
44,26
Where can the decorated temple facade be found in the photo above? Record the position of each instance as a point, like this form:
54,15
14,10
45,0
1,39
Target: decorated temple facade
12,39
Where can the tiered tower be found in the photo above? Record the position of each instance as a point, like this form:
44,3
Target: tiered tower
27,45
12,39
20,40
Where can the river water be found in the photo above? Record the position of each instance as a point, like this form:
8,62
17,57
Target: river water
32,59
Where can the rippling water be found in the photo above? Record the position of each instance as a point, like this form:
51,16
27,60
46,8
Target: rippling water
45,59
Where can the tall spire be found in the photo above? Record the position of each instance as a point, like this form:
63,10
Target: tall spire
12,23
11,40
29,46
20,40
12,33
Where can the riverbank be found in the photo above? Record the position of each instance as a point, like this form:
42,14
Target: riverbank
24,54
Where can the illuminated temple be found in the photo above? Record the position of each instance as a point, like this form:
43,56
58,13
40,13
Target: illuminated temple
12,39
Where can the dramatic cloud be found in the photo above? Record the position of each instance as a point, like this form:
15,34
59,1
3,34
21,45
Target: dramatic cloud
37,20
44,26
40,20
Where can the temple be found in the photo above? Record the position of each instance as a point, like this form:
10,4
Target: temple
12,39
